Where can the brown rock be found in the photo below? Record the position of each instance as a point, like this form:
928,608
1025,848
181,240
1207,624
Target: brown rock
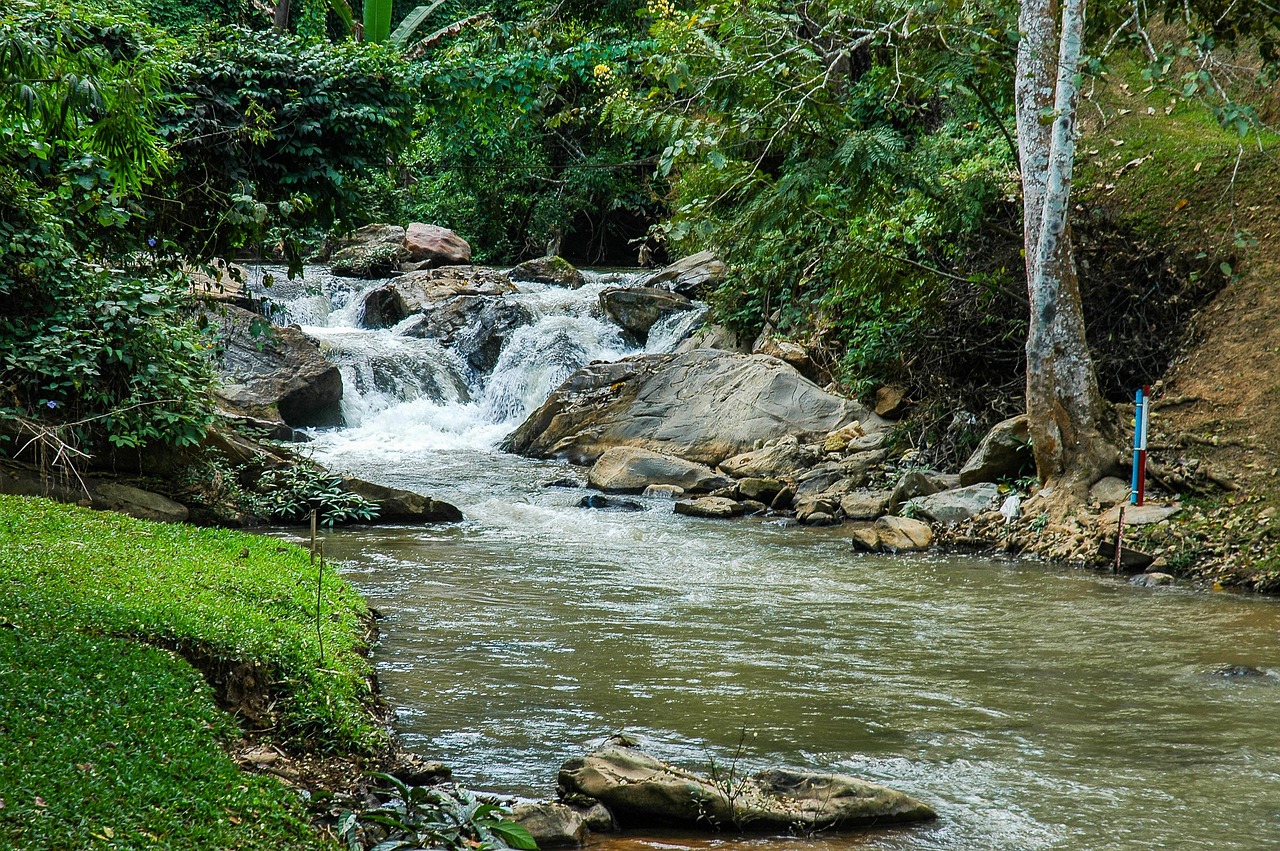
643,791
902,534
435,245
891,402
709,506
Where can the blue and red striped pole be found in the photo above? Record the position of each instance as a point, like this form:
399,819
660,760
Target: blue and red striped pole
1141,420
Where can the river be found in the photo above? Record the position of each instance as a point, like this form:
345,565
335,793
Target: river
1032,706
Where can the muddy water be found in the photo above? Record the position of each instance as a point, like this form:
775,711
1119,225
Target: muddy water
1032,707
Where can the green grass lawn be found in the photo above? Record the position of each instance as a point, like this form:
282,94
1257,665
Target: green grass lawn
109,740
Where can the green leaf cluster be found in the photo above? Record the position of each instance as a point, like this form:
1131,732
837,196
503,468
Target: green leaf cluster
269,131
421,817
839,157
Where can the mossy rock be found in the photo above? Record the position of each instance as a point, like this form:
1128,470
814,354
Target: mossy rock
548,270
369,261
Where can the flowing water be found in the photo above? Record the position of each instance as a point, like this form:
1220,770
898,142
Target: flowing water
1033,707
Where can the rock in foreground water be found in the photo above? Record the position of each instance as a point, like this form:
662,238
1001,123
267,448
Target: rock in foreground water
641,791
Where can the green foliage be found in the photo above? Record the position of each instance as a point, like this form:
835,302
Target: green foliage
509,152
841,167
377,20
91,337
419,817
216,593
290,494
270,130
103,740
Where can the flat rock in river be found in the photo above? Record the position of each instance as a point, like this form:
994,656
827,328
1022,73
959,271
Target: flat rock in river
704,406
626,469
641,791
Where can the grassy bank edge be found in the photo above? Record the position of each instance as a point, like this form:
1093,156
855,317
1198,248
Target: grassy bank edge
110,734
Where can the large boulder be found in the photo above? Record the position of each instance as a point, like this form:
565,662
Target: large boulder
626,469
373,251
642,791
548,270
637,309
952,506
691,276
1005,453
274,374
396,505
432,245
703,406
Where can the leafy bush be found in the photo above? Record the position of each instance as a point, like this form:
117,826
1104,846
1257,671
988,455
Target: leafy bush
509,152
270,129
93,340
843,191
290,494
419,817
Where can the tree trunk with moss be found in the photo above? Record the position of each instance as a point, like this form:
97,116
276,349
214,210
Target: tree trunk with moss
1068,425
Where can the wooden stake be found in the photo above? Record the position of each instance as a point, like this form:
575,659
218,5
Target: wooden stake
1115,568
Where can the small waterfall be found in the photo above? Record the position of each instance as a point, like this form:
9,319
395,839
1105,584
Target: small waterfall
408,385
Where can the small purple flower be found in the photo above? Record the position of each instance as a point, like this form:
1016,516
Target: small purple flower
52,404
152,242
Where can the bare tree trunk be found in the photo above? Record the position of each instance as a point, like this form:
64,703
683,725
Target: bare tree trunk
1069,432
281,18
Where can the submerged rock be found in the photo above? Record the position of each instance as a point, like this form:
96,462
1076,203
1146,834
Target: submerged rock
1152,580
642,791
606,503
703,406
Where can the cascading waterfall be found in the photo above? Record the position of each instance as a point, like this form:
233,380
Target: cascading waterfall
427,394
